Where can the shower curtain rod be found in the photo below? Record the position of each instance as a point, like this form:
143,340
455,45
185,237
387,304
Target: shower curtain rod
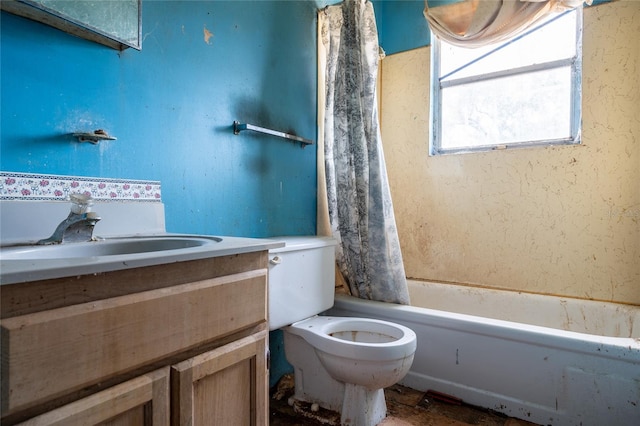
324,9
238,127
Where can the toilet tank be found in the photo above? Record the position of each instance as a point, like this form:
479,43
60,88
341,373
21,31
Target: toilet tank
301,279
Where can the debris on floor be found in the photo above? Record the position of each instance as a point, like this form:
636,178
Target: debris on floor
284,387
286,410
405,407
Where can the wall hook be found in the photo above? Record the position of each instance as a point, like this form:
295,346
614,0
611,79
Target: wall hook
94,138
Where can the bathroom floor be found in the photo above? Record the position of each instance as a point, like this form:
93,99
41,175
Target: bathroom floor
405,407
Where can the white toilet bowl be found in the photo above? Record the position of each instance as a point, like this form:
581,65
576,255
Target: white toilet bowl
344,364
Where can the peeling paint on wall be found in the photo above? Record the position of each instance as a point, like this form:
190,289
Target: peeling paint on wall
207,35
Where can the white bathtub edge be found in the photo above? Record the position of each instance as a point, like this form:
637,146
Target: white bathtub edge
538,374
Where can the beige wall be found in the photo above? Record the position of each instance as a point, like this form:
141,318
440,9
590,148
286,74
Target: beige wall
559,220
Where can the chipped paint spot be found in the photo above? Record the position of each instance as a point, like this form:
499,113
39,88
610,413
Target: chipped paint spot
207,35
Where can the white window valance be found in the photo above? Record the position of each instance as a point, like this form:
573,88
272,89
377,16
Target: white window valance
475,23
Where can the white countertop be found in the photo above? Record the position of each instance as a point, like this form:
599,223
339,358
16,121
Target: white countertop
20,271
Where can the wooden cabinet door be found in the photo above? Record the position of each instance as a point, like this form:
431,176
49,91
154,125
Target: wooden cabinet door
225,386
140,401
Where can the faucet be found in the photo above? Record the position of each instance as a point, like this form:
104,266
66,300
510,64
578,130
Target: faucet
78,226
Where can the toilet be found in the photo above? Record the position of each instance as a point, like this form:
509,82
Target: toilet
340,363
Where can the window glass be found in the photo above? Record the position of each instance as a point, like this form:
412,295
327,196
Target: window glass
525,91
556,40
540,103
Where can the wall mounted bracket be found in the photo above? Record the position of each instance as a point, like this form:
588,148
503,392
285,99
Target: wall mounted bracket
238,127
94,138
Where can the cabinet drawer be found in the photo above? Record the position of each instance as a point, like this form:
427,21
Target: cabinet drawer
50,354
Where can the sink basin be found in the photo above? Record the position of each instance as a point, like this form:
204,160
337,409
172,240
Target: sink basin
26,263
106,247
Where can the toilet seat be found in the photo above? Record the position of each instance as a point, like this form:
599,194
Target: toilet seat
357,338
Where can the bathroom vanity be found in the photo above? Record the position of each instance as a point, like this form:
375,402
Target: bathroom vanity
180,341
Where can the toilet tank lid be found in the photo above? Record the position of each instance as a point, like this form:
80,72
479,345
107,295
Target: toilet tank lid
302,242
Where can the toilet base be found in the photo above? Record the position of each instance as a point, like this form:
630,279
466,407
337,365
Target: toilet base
362,406
312,383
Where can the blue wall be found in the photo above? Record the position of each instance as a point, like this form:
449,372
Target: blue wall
172,106
401,25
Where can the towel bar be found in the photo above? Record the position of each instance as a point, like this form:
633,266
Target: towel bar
238,127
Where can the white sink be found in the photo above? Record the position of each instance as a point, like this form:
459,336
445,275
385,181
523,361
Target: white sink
106,247
24,263
135,237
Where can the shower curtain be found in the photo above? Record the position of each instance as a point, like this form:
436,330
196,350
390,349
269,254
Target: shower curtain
354,199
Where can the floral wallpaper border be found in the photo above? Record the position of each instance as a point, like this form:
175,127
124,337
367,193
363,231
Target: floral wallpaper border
26,186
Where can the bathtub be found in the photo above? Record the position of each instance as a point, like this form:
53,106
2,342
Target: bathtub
544,359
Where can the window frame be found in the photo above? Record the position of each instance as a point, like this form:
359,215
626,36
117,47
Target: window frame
435,122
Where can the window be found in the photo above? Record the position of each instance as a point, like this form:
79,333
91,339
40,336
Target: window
522,92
